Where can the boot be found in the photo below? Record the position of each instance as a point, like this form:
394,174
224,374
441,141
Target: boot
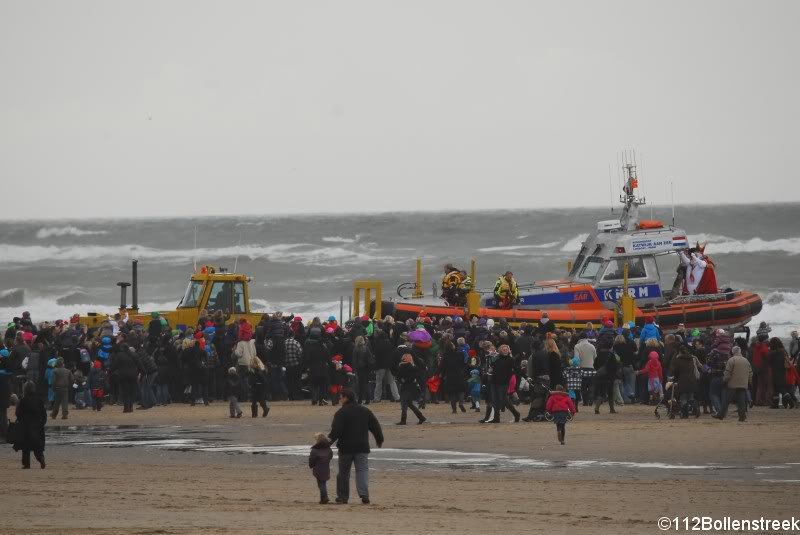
254,412
462,407
265,410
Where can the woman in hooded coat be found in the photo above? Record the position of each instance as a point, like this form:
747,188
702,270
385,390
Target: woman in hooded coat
31,419
454,372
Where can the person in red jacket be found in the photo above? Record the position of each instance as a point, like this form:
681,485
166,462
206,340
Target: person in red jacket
654,373
560,405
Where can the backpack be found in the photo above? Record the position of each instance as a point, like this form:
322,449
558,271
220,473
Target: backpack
85,357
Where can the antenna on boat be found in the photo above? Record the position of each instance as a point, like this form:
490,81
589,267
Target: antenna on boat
238,248
195,248
672,192
610,189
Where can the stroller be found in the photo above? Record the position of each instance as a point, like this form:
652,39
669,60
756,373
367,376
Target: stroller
672,405
538,393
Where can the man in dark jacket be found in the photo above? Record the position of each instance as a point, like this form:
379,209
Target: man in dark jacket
350,430
502,370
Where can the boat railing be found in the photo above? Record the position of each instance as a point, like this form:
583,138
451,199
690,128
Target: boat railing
687,299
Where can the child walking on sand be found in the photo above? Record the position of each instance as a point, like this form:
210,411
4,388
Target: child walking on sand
560,405
320,463
234,391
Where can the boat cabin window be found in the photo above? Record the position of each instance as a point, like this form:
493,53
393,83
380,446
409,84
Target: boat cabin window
578,261
238,298
193,294
592,267
616,269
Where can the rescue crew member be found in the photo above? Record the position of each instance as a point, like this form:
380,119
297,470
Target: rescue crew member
450,283
506,291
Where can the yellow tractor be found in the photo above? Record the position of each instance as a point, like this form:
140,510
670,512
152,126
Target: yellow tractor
210,288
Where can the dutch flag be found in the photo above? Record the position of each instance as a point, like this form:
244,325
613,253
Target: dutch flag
680,242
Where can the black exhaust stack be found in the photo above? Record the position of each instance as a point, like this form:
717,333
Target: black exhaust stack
135,288
123,294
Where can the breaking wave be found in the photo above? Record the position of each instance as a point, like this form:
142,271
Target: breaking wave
293,253
48,232
338,239
574,244
725,245
781,311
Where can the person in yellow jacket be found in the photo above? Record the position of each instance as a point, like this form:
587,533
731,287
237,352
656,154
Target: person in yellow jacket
450,282
506,291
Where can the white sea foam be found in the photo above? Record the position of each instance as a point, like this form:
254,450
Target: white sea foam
574,243
294,253
781,310
337,239
725,245
504,248
47,232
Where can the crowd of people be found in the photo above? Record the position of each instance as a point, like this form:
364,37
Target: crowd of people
415,362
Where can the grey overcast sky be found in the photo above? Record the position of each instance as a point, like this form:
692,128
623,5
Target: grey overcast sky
141,108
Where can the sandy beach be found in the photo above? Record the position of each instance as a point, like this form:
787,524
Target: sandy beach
617,473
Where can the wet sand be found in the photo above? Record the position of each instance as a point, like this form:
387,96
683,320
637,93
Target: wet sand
187,469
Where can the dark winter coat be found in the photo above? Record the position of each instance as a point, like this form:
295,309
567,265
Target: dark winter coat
502,370
234,385
454,371
317,359
683,371
383,350
319,460
351,427
31,418
556,376
123,363
777,363
408,378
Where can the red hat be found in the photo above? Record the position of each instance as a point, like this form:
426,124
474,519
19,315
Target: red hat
422,314
96,365
75,318
337,358
472,352
297,319
26,336
364,318
608,323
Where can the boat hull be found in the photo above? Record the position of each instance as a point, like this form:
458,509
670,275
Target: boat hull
732,310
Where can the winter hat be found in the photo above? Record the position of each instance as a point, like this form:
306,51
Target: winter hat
695,333
475,373
608,323
490,323
347,368
472,352
154,315
97,365
736,351
209,330
52,363
482,322
297,319
331,318
74,319
4,353
27,337
652,353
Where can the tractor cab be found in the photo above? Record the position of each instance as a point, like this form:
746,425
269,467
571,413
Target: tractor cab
210,288
215,289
